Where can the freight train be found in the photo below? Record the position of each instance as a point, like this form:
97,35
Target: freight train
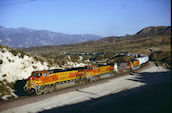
48,80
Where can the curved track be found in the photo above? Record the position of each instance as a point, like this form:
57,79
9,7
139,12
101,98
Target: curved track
31,99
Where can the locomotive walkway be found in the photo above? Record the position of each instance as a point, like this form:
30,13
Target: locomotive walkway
99,94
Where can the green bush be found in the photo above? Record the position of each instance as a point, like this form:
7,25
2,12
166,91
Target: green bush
162,58
38,58
22,53
4,90
34,67
1,61
14,52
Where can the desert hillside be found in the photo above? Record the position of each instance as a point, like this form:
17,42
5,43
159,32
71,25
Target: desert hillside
154,41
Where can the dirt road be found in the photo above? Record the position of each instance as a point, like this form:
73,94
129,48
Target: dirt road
126,93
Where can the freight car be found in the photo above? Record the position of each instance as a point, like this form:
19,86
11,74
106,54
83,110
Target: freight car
143,59
129,66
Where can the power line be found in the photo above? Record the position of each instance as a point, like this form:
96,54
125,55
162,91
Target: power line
17,2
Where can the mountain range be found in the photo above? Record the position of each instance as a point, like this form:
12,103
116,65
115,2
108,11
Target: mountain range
24,37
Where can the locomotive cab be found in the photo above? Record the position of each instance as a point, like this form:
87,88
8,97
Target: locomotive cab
34,81
36,74
90,67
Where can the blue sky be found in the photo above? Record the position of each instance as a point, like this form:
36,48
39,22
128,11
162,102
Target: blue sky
101,17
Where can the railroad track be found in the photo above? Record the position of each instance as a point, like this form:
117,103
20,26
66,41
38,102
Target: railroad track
22,100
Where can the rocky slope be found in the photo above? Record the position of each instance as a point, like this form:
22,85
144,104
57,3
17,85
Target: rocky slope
18,65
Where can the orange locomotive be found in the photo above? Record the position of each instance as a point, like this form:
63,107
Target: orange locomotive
134,64
39,79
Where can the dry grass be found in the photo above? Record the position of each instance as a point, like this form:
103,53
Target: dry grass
110,45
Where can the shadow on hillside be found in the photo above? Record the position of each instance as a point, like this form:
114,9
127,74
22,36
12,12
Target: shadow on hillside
153,97
19,87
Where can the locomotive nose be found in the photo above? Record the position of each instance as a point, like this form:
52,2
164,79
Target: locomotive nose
29,83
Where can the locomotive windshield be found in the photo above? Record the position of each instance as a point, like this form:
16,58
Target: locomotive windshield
37,75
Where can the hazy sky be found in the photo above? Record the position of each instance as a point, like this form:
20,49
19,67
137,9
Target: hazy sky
101,17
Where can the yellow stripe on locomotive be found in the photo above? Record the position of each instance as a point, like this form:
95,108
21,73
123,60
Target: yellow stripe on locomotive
46,77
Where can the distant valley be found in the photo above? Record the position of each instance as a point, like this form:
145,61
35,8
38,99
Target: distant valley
24,37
